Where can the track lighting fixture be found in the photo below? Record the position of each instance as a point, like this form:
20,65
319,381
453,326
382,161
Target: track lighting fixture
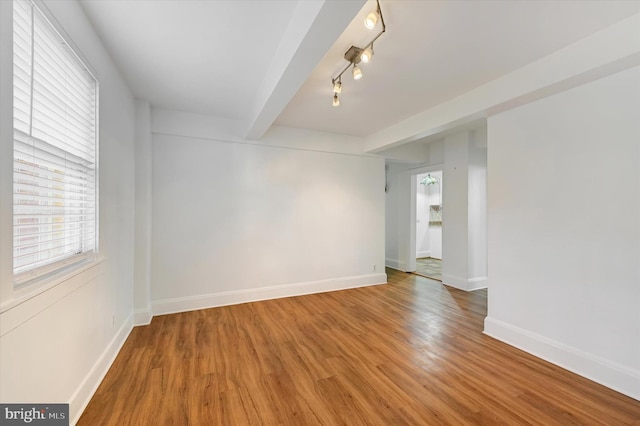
355,54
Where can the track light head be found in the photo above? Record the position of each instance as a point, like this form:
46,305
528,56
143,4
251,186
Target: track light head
357,72
337,86
367,54
336,100
372,19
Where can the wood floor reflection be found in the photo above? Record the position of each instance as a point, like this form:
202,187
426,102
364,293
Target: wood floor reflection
410,352
429,267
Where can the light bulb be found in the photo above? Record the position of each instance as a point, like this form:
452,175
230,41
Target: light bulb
337,86
357,72
366,54
336,100
371,19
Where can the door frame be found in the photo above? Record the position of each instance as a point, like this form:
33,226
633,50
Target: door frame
411,174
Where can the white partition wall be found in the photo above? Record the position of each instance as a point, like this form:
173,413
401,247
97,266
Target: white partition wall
564,229
464,226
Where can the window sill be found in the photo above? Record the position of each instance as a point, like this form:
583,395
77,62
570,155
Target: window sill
31,288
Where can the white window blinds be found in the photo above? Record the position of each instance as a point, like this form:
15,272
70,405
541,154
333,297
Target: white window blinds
55,114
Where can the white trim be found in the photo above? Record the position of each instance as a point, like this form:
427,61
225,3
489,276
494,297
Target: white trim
32,277
466,284
204,301
83,394
477,283
395,264
167,122
6,152
16,311
610,374
454,281
142,316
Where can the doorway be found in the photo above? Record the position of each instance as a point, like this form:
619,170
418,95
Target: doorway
428,229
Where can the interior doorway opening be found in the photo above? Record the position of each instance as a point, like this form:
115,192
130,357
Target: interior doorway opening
428,229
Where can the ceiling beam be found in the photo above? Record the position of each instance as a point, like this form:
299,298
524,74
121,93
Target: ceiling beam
603,53
313,29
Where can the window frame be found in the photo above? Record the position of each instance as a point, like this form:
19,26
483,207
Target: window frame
31,282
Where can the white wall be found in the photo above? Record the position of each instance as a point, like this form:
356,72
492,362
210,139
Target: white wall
56,346
554,291
435,241
142,254
435,231
455,210
236,221
397,217
464,245
477,208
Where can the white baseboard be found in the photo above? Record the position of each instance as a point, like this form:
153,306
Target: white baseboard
466,284
423,254
191,303
476,283
396,264
610,374
142,316
81,397
454,281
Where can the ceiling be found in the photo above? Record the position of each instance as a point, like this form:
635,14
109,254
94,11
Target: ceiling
199,56
267,61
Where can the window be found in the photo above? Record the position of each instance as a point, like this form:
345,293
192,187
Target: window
54,154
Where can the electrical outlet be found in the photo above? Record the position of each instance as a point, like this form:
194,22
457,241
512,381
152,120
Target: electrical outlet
374,268
113,320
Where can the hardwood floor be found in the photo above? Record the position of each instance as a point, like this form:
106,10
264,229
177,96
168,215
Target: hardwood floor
410,352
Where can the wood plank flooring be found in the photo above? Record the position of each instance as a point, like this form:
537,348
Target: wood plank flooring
409,352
